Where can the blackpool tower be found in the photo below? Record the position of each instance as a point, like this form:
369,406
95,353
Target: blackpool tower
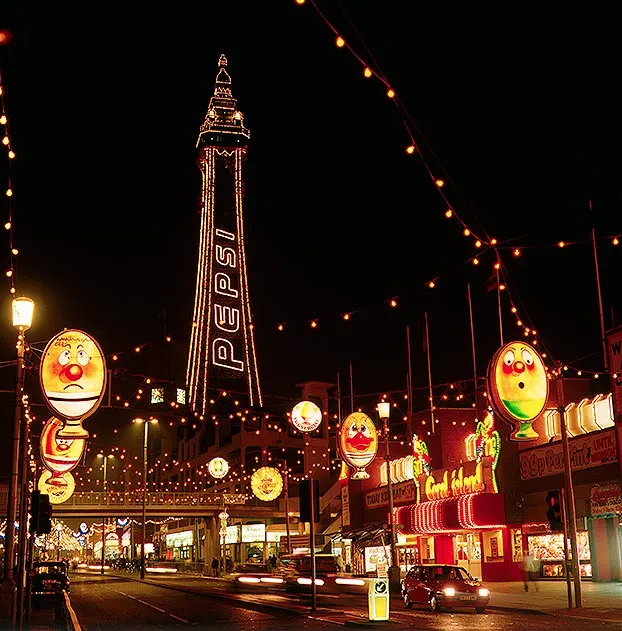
222,348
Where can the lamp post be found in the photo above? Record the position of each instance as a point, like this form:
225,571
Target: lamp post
23,309
384,411
146,424
105,458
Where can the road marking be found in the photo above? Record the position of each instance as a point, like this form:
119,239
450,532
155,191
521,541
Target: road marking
172,615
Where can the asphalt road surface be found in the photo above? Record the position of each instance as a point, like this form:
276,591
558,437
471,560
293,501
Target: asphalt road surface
102,605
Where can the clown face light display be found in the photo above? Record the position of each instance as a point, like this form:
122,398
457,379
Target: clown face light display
518,387
358,443
59,454
73,379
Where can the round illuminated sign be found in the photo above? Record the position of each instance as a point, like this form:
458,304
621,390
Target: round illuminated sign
358,443
59,454
59,487
218,467
267,483
306,416
73,377
518,387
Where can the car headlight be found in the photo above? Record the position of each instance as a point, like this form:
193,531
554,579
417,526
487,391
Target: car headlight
449,591
483,592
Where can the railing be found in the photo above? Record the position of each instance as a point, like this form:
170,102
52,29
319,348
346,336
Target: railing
135,498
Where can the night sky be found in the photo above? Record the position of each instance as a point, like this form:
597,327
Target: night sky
518,113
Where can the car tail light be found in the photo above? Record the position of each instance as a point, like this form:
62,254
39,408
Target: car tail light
271,579
349,581
483,592
248,579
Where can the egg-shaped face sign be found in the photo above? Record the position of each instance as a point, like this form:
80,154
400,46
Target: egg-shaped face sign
518,386
59,487
358,443
73,374
218,467
59,454
267,483
306,416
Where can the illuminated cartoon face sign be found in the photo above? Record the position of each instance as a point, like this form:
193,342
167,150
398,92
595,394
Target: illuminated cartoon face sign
73,374
59,487
267,483
306,416
59,454
358,442
218,467
518,387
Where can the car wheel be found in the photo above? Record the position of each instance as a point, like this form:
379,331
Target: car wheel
480,609
407,601
434,606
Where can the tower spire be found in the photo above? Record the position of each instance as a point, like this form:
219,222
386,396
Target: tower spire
222,346
224,122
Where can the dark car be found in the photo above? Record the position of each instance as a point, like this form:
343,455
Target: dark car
449,586
49,579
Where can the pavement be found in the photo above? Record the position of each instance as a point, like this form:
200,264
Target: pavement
601,602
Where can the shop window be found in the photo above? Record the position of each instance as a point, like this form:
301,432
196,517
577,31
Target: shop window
427,550
516,538
493,545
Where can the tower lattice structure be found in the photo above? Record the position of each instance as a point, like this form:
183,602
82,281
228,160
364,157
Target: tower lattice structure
222,347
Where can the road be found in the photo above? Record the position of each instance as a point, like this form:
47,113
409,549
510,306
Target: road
119,603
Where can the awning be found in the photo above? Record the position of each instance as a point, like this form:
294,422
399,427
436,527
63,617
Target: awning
363,535
474,511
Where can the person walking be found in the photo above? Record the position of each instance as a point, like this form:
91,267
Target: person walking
531,572
215,565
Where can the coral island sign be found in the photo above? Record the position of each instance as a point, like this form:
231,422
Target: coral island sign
469,477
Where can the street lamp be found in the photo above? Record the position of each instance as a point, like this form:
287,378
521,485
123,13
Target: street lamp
384,411
146,424
106,499
23,309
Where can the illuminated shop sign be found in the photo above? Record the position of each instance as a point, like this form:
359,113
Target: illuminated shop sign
232,534
253,533
591,450
179,539
403,493
469,477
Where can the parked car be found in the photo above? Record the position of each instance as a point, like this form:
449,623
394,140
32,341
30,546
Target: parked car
49,579
448,586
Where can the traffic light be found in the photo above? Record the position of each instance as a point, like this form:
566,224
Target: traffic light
35,507
305,500
45,514
554,512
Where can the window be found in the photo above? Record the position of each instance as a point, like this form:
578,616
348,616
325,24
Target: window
181,396
157,395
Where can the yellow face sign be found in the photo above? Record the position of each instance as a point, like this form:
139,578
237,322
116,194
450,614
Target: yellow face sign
518,387
59,487
218,467
267,483
358,443
73,374
59,454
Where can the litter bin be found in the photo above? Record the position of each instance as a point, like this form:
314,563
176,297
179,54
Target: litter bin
378,598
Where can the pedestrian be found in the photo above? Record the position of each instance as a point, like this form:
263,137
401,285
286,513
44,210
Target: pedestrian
531,572
215,565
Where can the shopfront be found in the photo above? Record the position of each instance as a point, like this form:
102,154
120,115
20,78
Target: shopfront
605,531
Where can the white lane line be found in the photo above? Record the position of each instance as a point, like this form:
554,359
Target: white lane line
172,615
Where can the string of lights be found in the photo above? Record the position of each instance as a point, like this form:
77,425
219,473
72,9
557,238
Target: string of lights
10,273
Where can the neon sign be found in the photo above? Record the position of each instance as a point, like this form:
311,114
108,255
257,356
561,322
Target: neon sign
470,477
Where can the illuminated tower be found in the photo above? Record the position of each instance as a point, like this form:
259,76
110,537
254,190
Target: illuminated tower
222,348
